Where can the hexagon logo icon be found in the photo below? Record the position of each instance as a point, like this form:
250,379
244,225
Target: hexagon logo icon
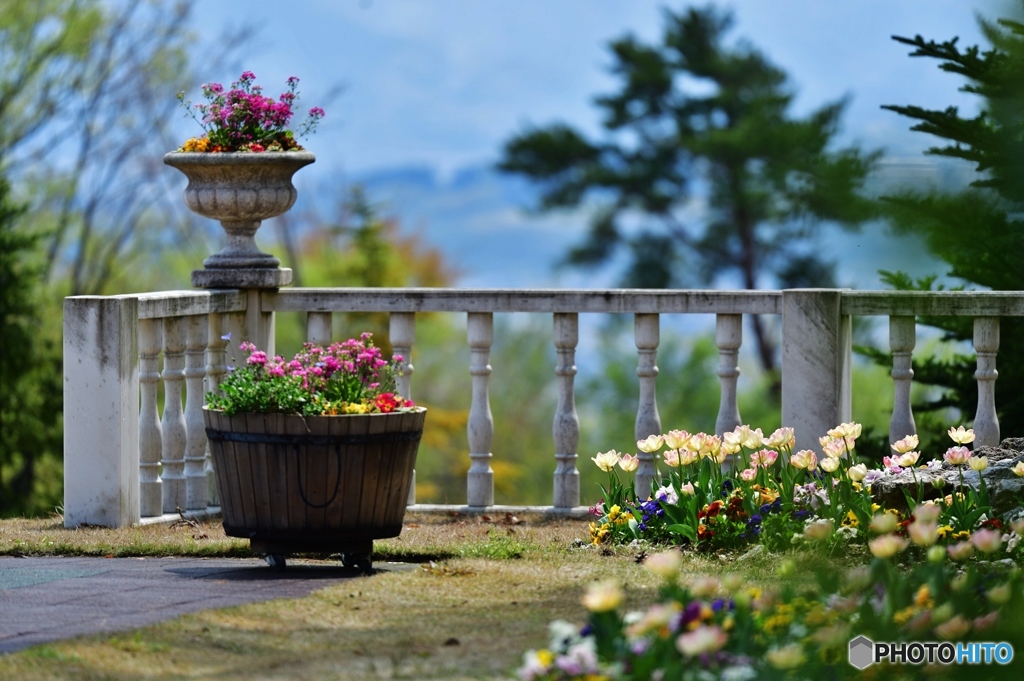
862,652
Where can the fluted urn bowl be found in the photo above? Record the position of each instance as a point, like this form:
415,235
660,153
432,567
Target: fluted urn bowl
240,190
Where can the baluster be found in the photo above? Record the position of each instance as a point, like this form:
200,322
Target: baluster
648,422
195,432
566,427
728,338
480,479
318,327
986,345
216,368
173,423
234,322
402,333
151,496
902,338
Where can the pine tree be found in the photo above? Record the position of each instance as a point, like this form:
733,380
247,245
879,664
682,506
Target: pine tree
978,231
30,376
696,118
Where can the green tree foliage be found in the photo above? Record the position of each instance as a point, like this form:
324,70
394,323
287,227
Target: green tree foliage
85,116
86,107
979,230
696,117
30,371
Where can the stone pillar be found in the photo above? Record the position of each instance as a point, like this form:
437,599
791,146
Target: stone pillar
101,411
816,346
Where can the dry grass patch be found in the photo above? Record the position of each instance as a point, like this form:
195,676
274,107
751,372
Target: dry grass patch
49,537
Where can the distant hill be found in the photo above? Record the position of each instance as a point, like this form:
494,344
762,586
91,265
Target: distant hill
481,220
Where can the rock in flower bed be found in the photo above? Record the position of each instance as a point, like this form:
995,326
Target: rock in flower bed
941,568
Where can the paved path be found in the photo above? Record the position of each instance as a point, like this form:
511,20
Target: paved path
46,599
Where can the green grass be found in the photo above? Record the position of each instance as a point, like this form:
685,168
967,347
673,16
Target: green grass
481,594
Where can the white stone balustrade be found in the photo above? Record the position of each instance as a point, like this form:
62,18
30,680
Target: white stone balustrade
480,428
902,338
986,345
197,340
124,461
728,338
172,425
646,331
402,332
566,427
150,437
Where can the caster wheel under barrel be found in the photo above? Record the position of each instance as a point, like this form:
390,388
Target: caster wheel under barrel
275,561
359,561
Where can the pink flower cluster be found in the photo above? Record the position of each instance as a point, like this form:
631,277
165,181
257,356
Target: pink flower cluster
315,364
243,119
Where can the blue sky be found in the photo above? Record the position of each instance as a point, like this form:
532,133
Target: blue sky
443,83
433,88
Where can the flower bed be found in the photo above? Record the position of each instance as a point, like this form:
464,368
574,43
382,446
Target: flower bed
745,487
943,570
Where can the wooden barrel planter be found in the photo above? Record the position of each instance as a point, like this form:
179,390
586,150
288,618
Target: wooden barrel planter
318,484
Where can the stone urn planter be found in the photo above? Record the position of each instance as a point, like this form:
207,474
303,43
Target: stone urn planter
240,190
314,484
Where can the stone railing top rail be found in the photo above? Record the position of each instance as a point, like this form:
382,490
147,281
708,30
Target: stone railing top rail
186,303
522,300
857,303
938,303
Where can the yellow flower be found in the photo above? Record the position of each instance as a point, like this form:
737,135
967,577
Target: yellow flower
629,463
651,443
200,144
978,463
665,564
603,596
961,436
805,459
923,597
887,546
850,520
767,496
954,628
1000,595
676,439
903,616
922,534
907,444
786,657
606,461
884,523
